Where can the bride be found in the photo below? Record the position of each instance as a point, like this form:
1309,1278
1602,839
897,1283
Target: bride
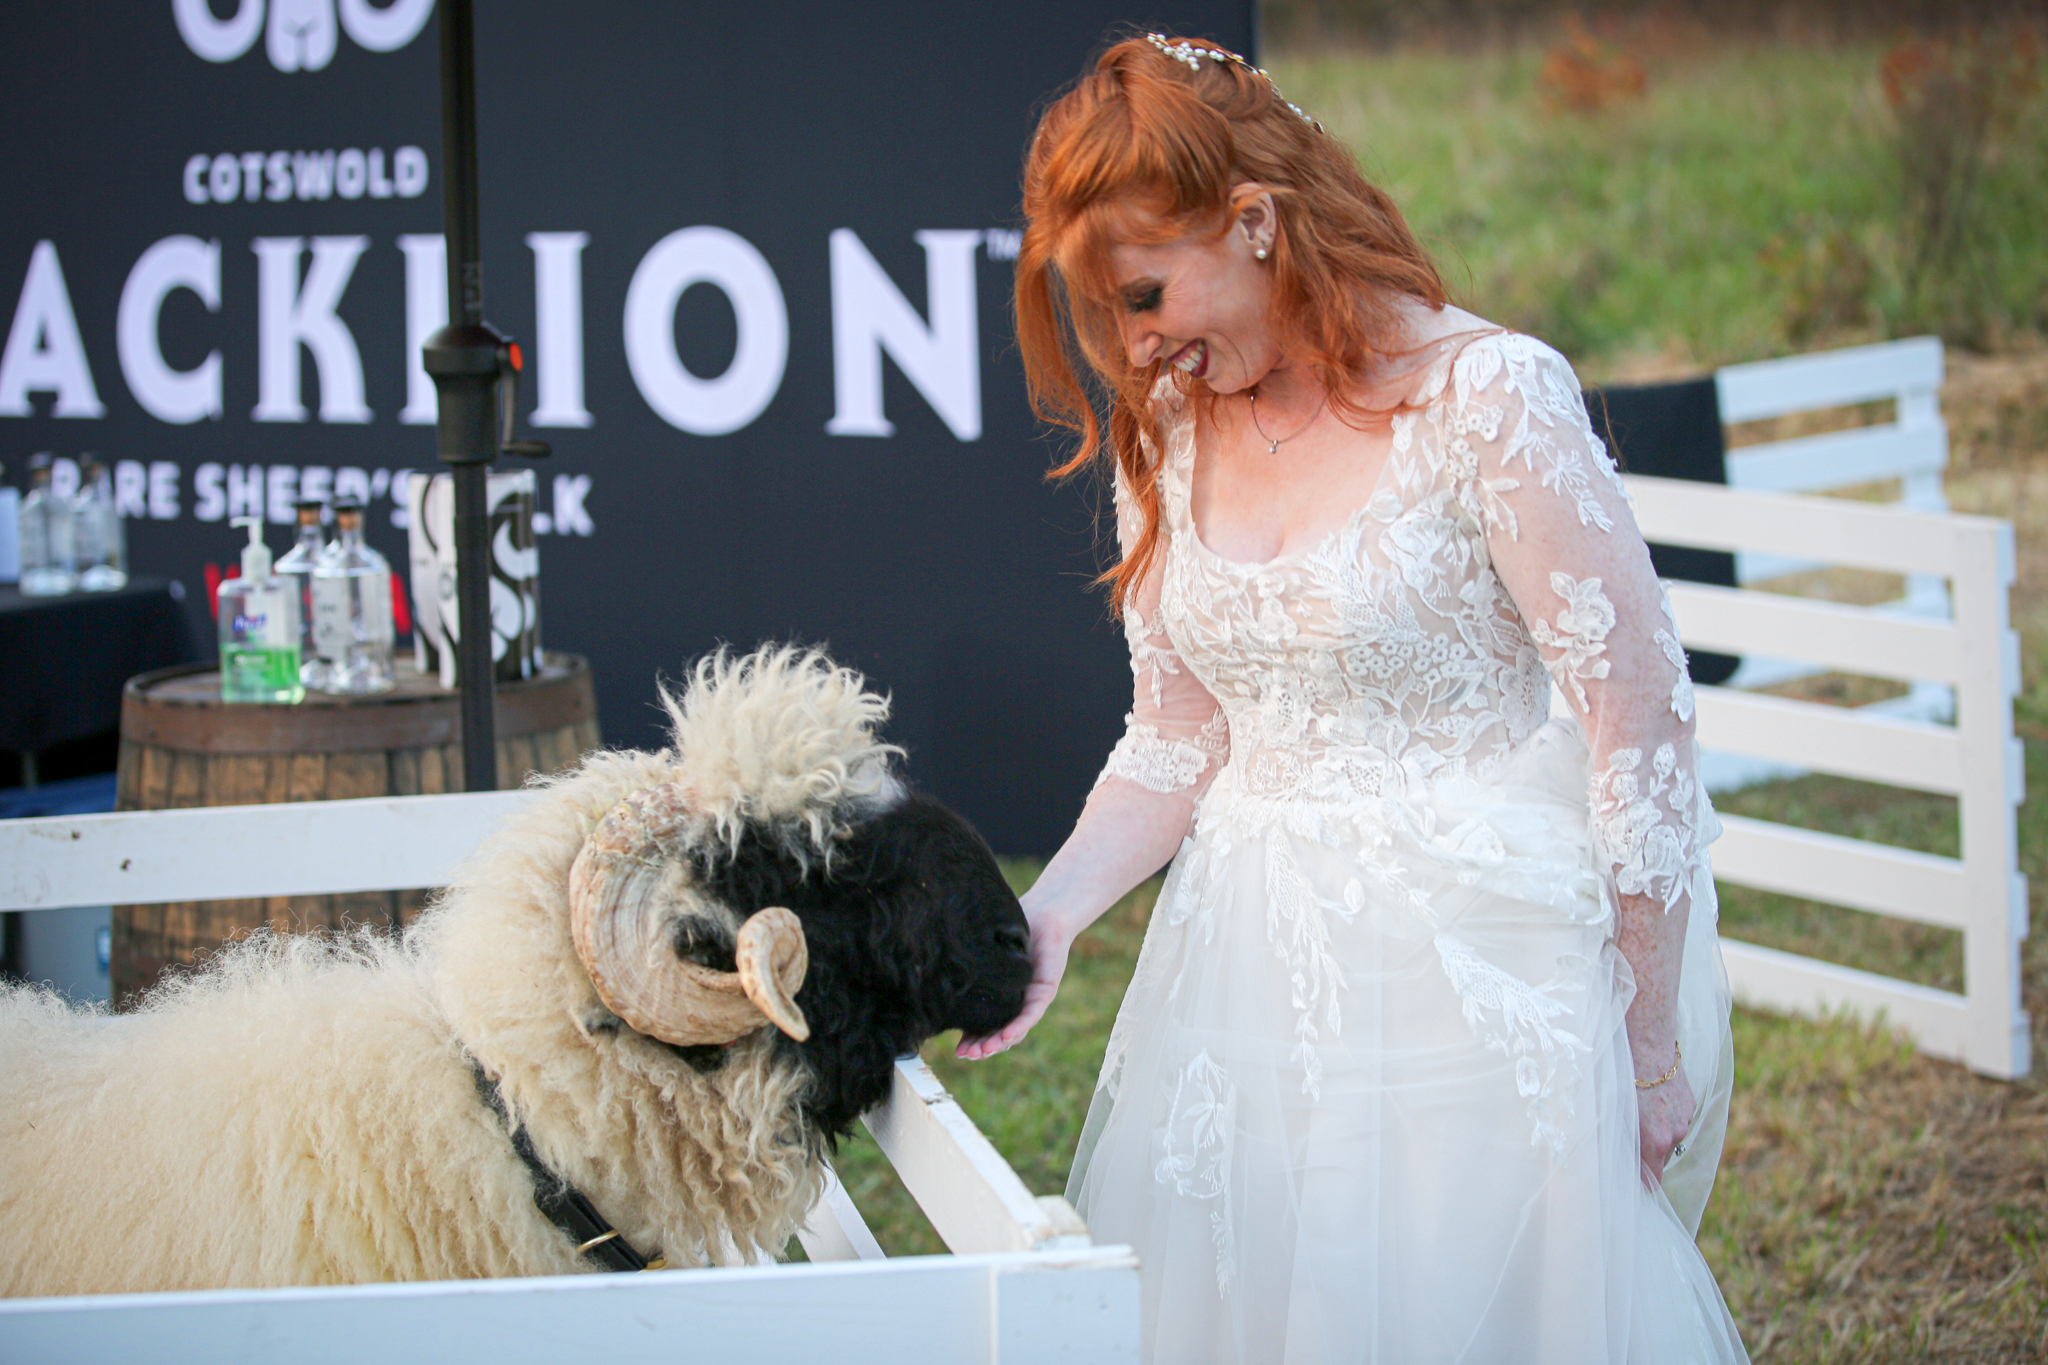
1426,1057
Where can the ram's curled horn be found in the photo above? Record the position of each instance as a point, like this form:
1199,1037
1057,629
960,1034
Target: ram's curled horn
773,960
618,916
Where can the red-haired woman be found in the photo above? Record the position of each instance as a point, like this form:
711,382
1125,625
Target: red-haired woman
1426,1057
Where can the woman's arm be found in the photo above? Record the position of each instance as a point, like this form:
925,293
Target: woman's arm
1567,550
1173,744
1124,835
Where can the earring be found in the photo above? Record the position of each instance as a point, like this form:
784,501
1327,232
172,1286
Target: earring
1260,253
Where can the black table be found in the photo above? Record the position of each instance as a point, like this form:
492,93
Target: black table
63,660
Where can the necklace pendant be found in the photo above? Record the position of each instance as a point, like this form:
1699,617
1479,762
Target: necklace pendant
1272,446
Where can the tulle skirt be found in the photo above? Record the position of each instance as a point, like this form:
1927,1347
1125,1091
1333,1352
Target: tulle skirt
1369,1097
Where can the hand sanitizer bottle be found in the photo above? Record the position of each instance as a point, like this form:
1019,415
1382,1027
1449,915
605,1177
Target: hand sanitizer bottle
297,566
48,562
102,537
352,609
259,629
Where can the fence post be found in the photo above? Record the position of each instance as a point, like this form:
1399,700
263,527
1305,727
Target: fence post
1994,782
1919,411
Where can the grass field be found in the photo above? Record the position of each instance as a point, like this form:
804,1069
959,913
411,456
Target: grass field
1747,203
1873,1205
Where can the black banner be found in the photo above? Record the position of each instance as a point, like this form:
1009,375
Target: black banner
758,255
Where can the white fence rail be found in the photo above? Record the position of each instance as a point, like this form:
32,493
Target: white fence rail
1977,760
1912,447
1030,1308
1025,1283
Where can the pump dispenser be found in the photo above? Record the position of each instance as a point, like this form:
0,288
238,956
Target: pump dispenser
259,629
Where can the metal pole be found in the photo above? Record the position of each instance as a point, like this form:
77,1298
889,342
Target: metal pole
458,157
468,427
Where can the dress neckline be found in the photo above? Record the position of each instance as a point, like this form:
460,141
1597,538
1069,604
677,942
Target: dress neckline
1185,473
1182,463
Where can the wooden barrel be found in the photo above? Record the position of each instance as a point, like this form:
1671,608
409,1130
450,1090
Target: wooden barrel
180,746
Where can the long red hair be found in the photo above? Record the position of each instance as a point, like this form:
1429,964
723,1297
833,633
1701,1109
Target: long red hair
1146,148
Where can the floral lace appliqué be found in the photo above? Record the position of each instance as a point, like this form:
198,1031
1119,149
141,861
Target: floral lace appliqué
1517,1020
1681,691
1299,933
1579,633
1674,654
1649,852
1193,1150
1153,761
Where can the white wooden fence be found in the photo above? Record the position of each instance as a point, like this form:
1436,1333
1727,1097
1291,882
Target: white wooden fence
1911,448
1977,760
1025,1283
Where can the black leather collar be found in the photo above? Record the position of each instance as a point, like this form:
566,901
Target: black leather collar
567,1207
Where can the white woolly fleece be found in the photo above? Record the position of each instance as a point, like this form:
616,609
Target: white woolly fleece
303,1112
798,764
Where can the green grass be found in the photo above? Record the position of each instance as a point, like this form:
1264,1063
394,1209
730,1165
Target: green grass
1702,223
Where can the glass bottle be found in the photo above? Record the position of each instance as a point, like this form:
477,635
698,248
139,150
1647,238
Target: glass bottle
48,557
297,565
259,629
10,531
352,625
101,536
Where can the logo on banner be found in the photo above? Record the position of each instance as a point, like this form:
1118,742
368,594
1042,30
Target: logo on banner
301,35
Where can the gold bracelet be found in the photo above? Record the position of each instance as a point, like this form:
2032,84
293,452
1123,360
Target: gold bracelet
1677,1061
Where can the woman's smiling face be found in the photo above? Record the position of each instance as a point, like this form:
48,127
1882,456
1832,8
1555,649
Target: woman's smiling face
1202,303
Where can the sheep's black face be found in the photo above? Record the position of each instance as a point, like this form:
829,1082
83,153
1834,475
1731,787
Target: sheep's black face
913,933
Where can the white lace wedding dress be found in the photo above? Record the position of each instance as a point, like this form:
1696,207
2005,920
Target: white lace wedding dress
1369,1098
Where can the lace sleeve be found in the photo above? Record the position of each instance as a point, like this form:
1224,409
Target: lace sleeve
1566,547
1174,737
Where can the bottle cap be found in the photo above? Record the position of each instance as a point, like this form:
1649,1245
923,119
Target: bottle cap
255,555
347,507
39,466
311,511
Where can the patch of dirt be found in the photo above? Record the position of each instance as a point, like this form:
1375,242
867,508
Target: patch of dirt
1997,409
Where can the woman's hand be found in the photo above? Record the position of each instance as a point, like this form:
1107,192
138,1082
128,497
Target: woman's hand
1049,944
1664,1115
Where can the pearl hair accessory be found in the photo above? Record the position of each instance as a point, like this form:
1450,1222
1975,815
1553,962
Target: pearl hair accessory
1187,52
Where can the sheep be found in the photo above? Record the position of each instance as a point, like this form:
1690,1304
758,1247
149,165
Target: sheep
677,977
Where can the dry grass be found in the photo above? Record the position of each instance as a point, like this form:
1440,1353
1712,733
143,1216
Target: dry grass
1877,1206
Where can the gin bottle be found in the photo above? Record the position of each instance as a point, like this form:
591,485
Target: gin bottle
296,566
352,609
48,556
100,534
